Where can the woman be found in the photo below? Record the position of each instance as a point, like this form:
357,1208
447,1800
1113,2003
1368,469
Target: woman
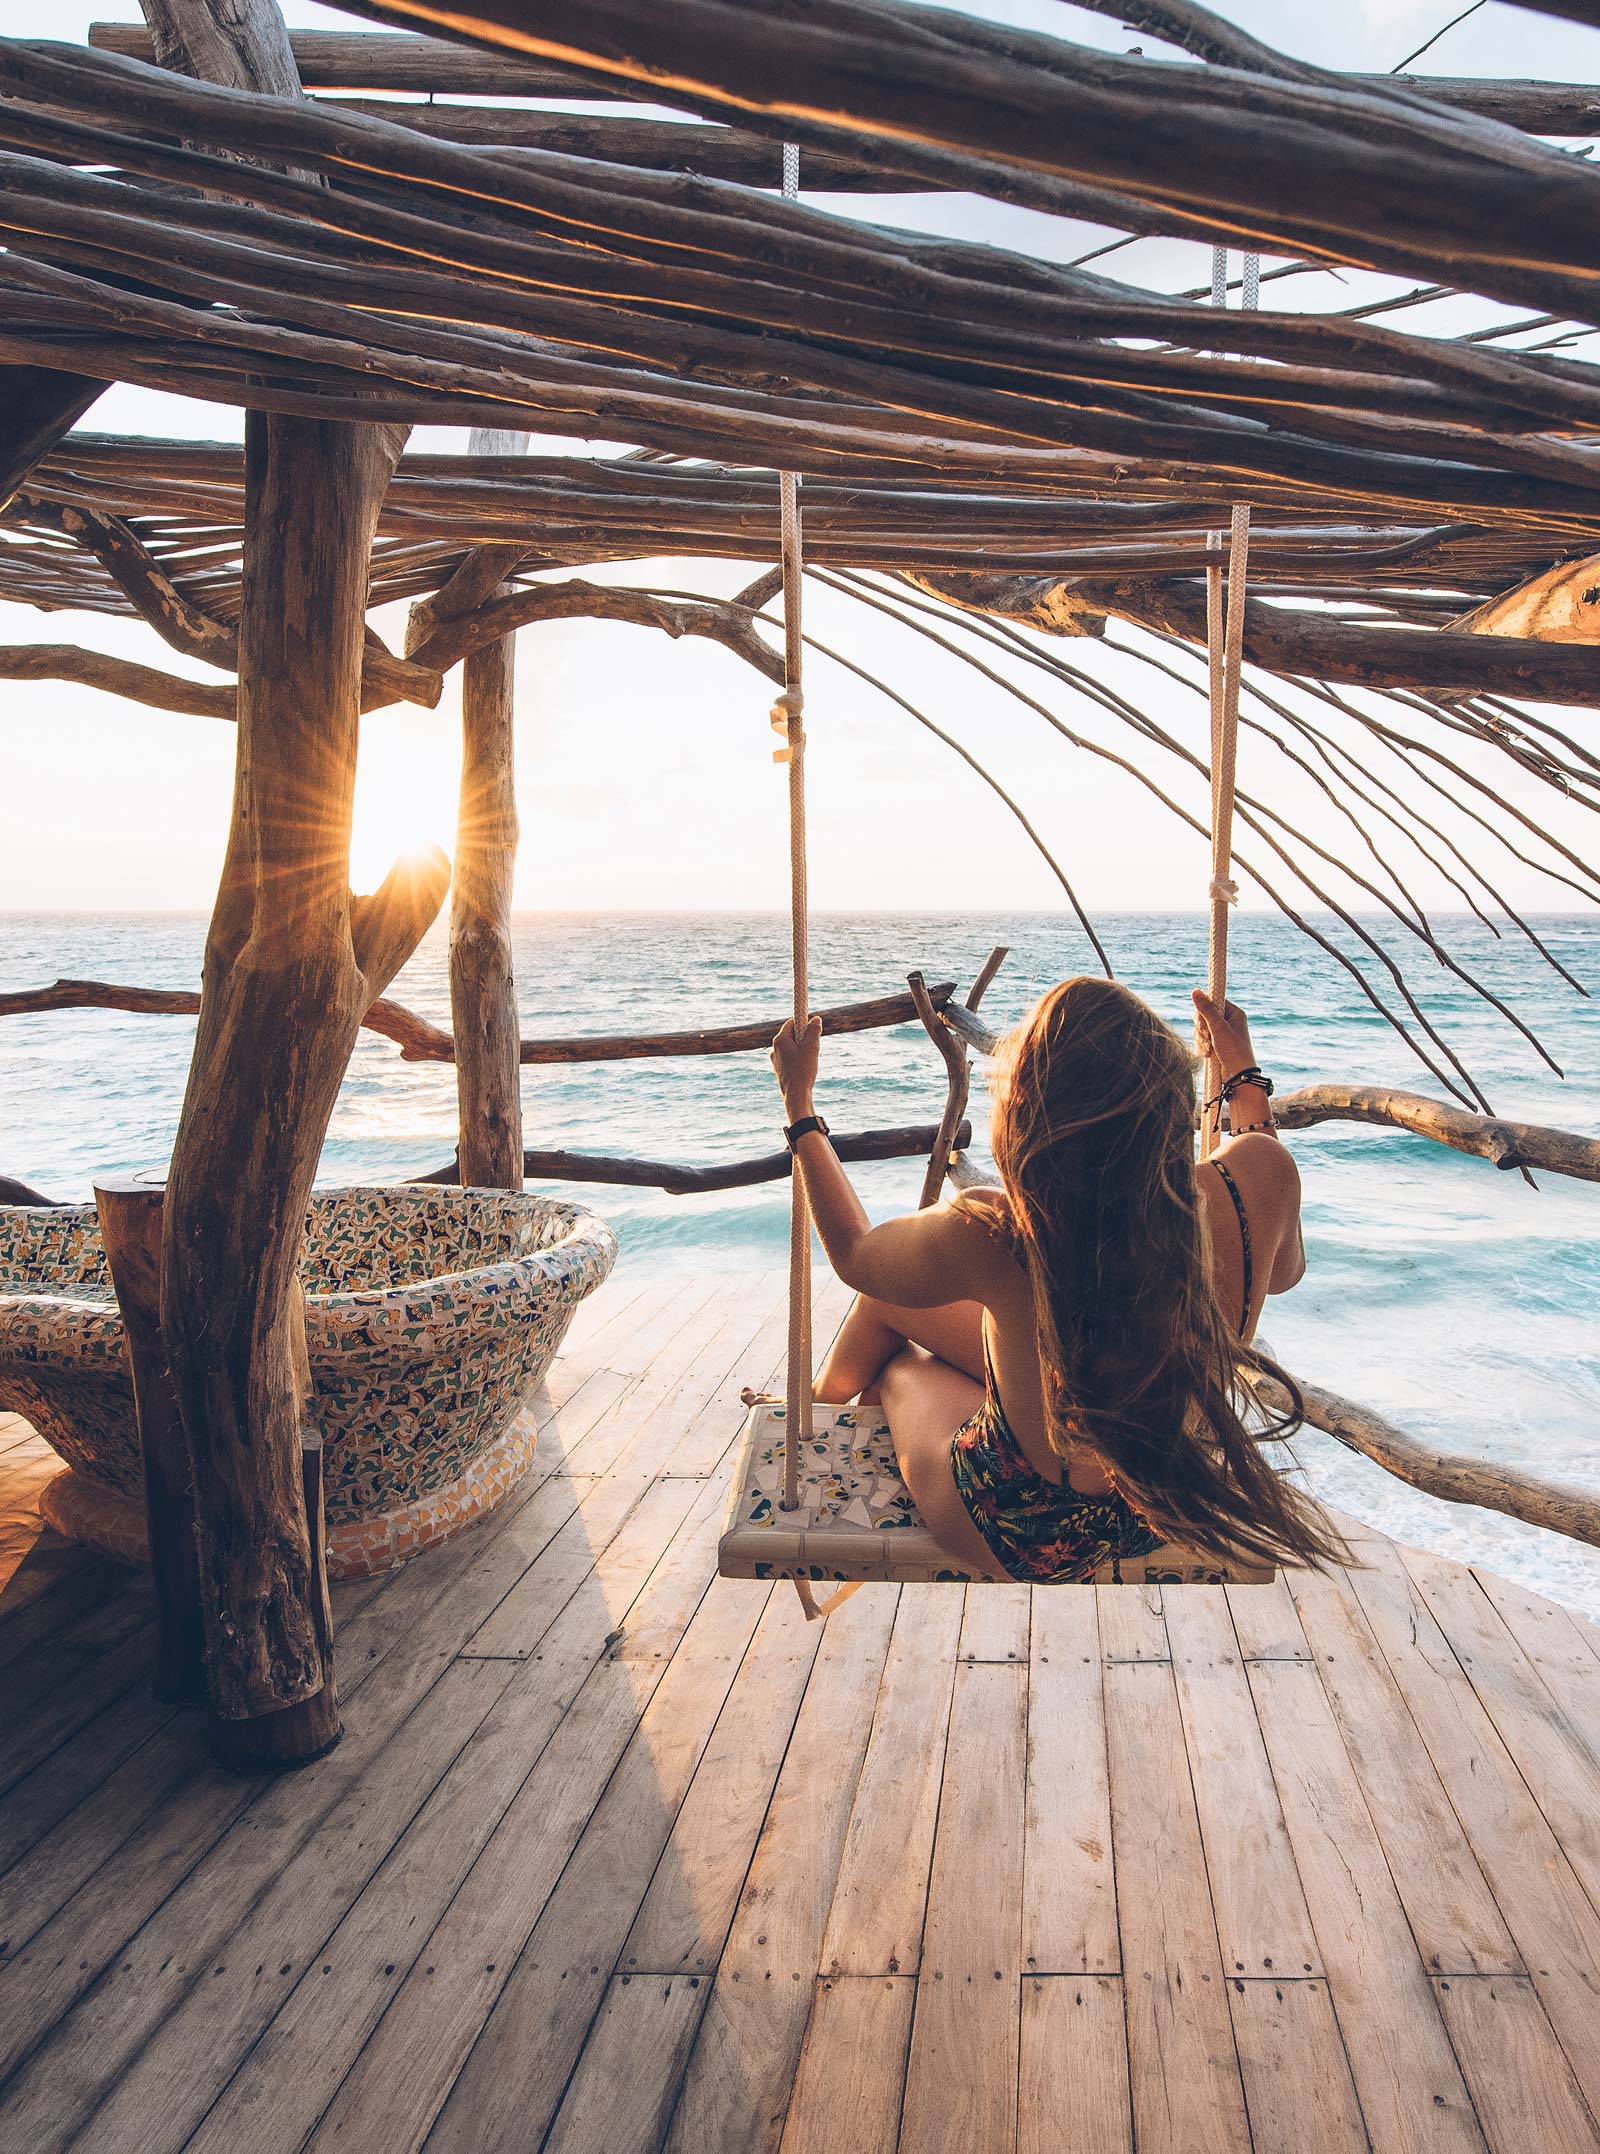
1055,1357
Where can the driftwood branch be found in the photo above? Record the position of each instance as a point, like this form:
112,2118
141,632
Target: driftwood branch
421,1041
117,676
355,60
1506,1144
681,1181
1452,1475
1297,643
959,1084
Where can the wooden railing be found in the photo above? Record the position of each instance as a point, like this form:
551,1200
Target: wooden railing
959,1032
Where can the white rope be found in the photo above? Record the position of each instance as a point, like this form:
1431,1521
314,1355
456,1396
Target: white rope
1225,652
788,713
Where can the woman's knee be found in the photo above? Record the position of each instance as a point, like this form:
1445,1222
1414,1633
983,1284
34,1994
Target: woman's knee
899,1374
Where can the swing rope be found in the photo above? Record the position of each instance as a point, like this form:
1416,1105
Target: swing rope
1225,654
1225,645
788,713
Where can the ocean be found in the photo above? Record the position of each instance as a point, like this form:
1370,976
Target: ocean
1447,1295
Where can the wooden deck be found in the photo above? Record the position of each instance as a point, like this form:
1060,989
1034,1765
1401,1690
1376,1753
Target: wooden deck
615,1855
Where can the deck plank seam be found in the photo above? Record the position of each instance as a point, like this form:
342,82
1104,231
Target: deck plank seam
1211,1901
1428,1972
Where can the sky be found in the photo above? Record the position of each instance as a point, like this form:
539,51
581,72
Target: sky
644,771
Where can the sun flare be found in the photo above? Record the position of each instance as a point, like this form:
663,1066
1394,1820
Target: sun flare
405,804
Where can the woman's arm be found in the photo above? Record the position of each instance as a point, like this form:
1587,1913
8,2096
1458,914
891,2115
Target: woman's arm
919,1262
1225,1033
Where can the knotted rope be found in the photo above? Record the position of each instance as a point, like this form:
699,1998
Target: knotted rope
788,716
1225,652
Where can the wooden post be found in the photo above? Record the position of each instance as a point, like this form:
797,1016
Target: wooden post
483,996
130,1228
292,963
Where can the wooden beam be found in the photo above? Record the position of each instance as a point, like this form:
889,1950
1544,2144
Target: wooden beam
1506,1144
130,1229
1381,181
420,1041
483,992
116,676
292,963
355,60
1296,642
681,1181
39,405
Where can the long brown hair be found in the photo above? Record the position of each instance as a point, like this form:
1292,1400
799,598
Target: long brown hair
1093,1134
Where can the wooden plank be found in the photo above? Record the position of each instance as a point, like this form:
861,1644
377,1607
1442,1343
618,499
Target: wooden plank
1187,2097
622,1291
1069,1901
1557,1752
1266,1623
996,1623
36,1805
683,1922
852,2069
1551,1919
1072,2094
696,1356
1406,2075
1553,1637
596,1513
1297,2082
622,2092
881,1895
290,1932
486,1848
1131,1626
1520,2080
41,1882
562,1428
623,1331
736,2089
32,1562
1453,1915
542,2007
961,2080
394,1653
58,1716
1263,1925
713,1430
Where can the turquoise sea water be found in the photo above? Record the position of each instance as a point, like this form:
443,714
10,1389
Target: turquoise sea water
1444,1293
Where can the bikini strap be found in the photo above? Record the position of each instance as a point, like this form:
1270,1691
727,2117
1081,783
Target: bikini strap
1232,1187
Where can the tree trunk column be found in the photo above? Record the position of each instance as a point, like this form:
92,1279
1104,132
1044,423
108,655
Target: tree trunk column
292,963
483,996
130,1230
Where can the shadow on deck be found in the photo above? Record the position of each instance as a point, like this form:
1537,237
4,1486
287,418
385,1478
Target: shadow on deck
616,1855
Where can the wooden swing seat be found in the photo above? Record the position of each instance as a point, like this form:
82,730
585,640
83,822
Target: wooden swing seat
856,1520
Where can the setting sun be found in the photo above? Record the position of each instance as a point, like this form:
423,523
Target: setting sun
405,803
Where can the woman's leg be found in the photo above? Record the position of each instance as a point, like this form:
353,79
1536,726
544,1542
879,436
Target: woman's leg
875,1331
926,1401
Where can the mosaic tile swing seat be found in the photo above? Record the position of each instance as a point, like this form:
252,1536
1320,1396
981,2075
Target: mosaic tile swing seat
855,1520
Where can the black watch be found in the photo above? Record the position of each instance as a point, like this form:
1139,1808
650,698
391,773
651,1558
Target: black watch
803,1128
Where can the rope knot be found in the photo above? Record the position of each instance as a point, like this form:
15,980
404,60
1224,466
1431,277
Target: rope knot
785,714
1224,892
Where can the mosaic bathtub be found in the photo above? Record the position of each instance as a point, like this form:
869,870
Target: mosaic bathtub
431,1314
